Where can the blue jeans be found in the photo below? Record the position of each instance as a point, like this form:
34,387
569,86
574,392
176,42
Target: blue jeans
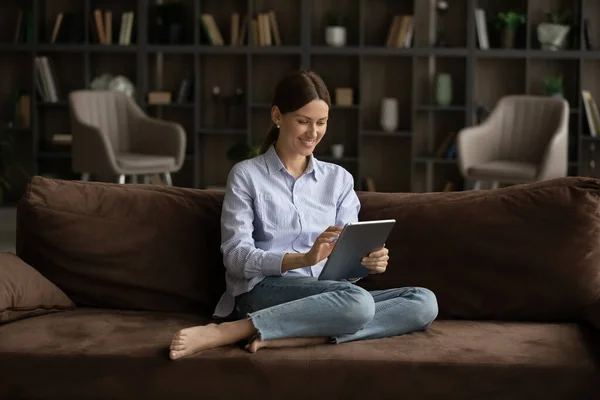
297,306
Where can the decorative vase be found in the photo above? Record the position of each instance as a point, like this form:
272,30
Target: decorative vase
337,151
335,36
552,36
389,114
508,38
443,89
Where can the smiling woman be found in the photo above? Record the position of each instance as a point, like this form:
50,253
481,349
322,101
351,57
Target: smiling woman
281,214
300,110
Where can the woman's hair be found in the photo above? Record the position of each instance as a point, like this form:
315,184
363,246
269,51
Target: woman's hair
292,93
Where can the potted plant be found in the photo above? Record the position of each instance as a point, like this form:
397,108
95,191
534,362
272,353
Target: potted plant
552,34
553,86
510,21
335,31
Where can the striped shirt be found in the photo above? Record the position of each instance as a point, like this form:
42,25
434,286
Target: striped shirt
268,213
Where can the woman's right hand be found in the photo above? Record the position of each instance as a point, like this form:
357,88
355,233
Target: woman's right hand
323,246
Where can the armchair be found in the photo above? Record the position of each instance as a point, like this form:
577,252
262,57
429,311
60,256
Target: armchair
113,136
525,139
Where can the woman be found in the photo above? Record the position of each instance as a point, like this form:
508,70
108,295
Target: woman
281,211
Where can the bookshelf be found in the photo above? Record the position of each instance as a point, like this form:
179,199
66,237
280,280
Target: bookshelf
401,161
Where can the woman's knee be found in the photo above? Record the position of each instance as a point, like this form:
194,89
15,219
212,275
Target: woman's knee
358,308
426,310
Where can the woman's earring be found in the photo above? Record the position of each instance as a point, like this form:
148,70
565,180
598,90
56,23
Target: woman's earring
277,126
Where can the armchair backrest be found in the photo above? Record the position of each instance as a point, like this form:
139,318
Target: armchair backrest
106,110
525,124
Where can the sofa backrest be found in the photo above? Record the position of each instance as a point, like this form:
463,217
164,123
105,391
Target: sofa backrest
528,252
142,247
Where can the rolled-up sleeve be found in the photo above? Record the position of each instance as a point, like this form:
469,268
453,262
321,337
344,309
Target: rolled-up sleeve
240,256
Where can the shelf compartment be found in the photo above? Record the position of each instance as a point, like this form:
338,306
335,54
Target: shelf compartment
267,70
67,72
378,18
385,77
427,71
123,64
287,15
322,9
15,79
338,71
492,9
225,74
170,73
387,162
9,15
537,15
172,23
497,78
540,69
222,12
72,28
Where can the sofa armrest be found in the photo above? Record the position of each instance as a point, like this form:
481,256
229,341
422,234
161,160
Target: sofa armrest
473,146
159,137
555,162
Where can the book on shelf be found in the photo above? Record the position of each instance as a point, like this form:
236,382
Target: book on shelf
481,25
400,32
67,28
24,27
264,29
45,80
21,110
211,30
102,28
591,112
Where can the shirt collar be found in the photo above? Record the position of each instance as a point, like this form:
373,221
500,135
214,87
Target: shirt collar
275,165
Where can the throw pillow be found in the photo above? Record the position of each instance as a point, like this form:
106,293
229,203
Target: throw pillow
24,292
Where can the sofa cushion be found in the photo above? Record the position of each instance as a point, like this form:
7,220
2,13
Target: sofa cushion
24,292
143,247
526,252
124,354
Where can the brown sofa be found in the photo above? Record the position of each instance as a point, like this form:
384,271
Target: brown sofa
122,267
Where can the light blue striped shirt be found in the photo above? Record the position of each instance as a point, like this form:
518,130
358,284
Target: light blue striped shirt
268,213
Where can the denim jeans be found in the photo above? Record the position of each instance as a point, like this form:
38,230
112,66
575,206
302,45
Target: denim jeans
297,306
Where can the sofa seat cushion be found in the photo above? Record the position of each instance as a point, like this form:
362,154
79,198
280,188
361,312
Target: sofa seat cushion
140,161
510,171
124,354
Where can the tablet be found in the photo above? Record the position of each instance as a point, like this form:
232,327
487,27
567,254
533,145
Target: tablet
357,240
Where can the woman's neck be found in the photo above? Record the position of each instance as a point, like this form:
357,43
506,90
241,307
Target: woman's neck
295,164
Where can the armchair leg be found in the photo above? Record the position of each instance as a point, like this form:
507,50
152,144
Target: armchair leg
495,185
85,176
122,179
146,179
134,179
167,178
477,185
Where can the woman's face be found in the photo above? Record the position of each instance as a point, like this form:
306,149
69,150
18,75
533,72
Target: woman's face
301,130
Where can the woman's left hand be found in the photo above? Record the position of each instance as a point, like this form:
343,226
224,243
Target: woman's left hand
377,261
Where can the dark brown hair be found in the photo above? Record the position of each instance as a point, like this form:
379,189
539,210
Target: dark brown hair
292,93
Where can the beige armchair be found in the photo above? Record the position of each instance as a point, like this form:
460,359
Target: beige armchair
524,139
112,136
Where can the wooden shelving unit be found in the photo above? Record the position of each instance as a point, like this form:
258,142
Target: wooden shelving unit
401,161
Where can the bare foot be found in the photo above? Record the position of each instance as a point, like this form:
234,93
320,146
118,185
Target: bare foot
192,340
257,344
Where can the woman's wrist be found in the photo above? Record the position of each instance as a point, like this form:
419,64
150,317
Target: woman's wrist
293,261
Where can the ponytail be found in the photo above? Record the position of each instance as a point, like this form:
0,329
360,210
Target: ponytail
271,137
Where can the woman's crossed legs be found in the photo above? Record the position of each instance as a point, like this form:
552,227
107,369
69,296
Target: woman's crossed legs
294,311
